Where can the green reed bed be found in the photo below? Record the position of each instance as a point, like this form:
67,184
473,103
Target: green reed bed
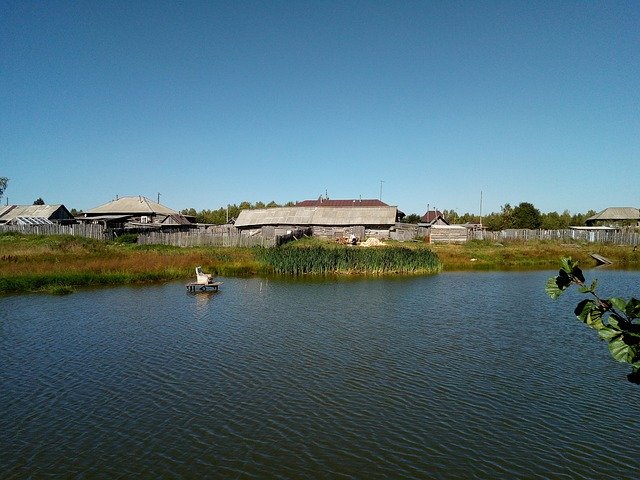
327,260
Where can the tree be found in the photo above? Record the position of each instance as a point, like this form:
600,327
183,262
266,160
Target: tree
411,218
3,185
525,215
38,201
615,319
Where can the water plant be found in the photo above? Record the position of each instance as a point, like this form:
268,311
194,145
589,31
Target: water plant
328,259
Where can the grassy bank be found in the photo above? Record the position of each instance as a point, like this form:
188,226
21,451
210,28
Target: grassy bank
485,255
58,264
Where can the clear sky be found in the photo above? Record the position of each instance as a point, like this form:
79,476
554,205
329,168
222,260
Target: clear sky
211,103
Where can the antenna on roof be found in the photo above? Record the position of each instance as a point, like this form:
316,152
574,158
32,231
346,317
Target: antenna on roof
158,197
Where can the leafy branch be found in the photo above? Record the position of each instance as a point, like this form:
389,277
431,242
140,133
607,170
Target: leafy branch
615,319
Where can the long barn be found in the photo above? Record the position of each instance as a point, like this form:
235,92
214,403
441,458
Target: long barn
324,221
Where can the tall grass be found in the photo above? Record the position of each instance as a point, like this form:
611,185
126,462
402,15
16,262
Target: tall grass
58,264
326,260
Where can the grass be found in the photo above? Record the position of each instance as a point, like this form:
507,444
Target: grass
55,264
486,255
59,264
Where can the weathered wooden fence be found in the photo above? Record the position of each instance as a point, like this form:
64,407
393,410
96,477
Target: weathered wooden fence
229,236
221,237
96,232
617,237
204,238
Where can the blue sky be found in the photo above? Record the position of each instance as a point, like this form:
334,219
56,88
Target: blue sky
211,103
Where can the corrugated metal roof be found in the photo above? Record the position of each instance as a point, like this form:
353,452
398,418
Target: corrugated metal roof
341,203
317,216
616,213
31,221
131,205
12,211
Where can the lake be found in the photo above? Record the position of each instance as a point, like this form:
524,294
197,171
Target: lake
457,375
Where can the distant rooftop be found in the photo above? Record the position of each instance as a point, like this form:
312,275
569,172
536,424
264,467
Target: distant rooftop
131,205
324,202
431,216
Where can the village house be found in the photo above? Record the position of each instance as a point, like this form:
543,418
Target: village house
35,215
136,212
615,217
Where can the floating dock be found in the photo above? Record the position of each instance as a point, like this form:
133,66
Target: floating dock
192,287
601,260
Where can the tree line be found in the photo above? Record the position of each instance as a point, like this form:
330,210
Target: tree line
524,215
228,214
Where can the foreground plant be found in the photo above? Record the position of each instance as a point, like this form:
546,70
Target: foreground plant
615,319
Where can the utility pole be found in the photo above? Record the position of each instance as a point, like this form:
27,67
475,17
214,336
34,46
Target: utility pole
481,232
158,197
381,182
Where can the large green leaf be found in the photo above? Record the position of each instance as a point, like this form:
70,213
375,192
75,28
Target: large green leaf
621,351
633,308
552,289
589,312
609,333
618,303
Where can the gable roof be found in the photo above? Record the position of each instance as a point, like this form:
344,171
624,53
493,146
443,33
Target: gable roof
616,213
431,216
338,216
321,202
133,205
10,212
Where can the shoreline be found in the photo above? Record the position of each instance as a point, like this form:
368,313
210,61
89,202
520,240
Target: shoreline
59,265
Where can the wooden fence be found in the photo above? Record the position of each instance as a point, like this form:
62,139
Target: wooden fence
229,236
204,238
616,237
96,232
221,237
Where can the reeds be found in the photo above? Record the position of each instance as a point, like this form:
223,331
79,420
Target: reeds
327,260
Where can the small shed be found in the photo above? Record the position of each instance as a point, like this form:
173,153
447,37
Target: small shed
448,234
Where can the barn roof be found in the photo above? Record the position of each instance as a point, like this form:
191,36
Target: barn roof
131,205
616,213
321,202
10,212
338,216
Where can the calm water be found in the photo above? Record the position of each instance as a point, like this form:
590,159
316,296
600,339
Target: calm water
470,375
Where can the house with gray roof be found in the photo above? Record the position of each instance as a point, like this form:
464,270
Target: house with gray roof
134,212
615,217
34,214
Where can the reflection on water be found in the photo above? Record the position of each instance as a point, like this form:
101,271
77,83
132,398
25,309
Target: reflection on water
450,376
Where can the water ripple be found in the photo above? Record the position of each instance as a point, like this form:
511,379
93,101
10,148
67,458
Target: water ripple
319,379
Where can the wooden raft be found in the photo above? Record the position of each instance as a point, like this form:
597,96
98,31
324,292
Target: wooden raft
193,286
